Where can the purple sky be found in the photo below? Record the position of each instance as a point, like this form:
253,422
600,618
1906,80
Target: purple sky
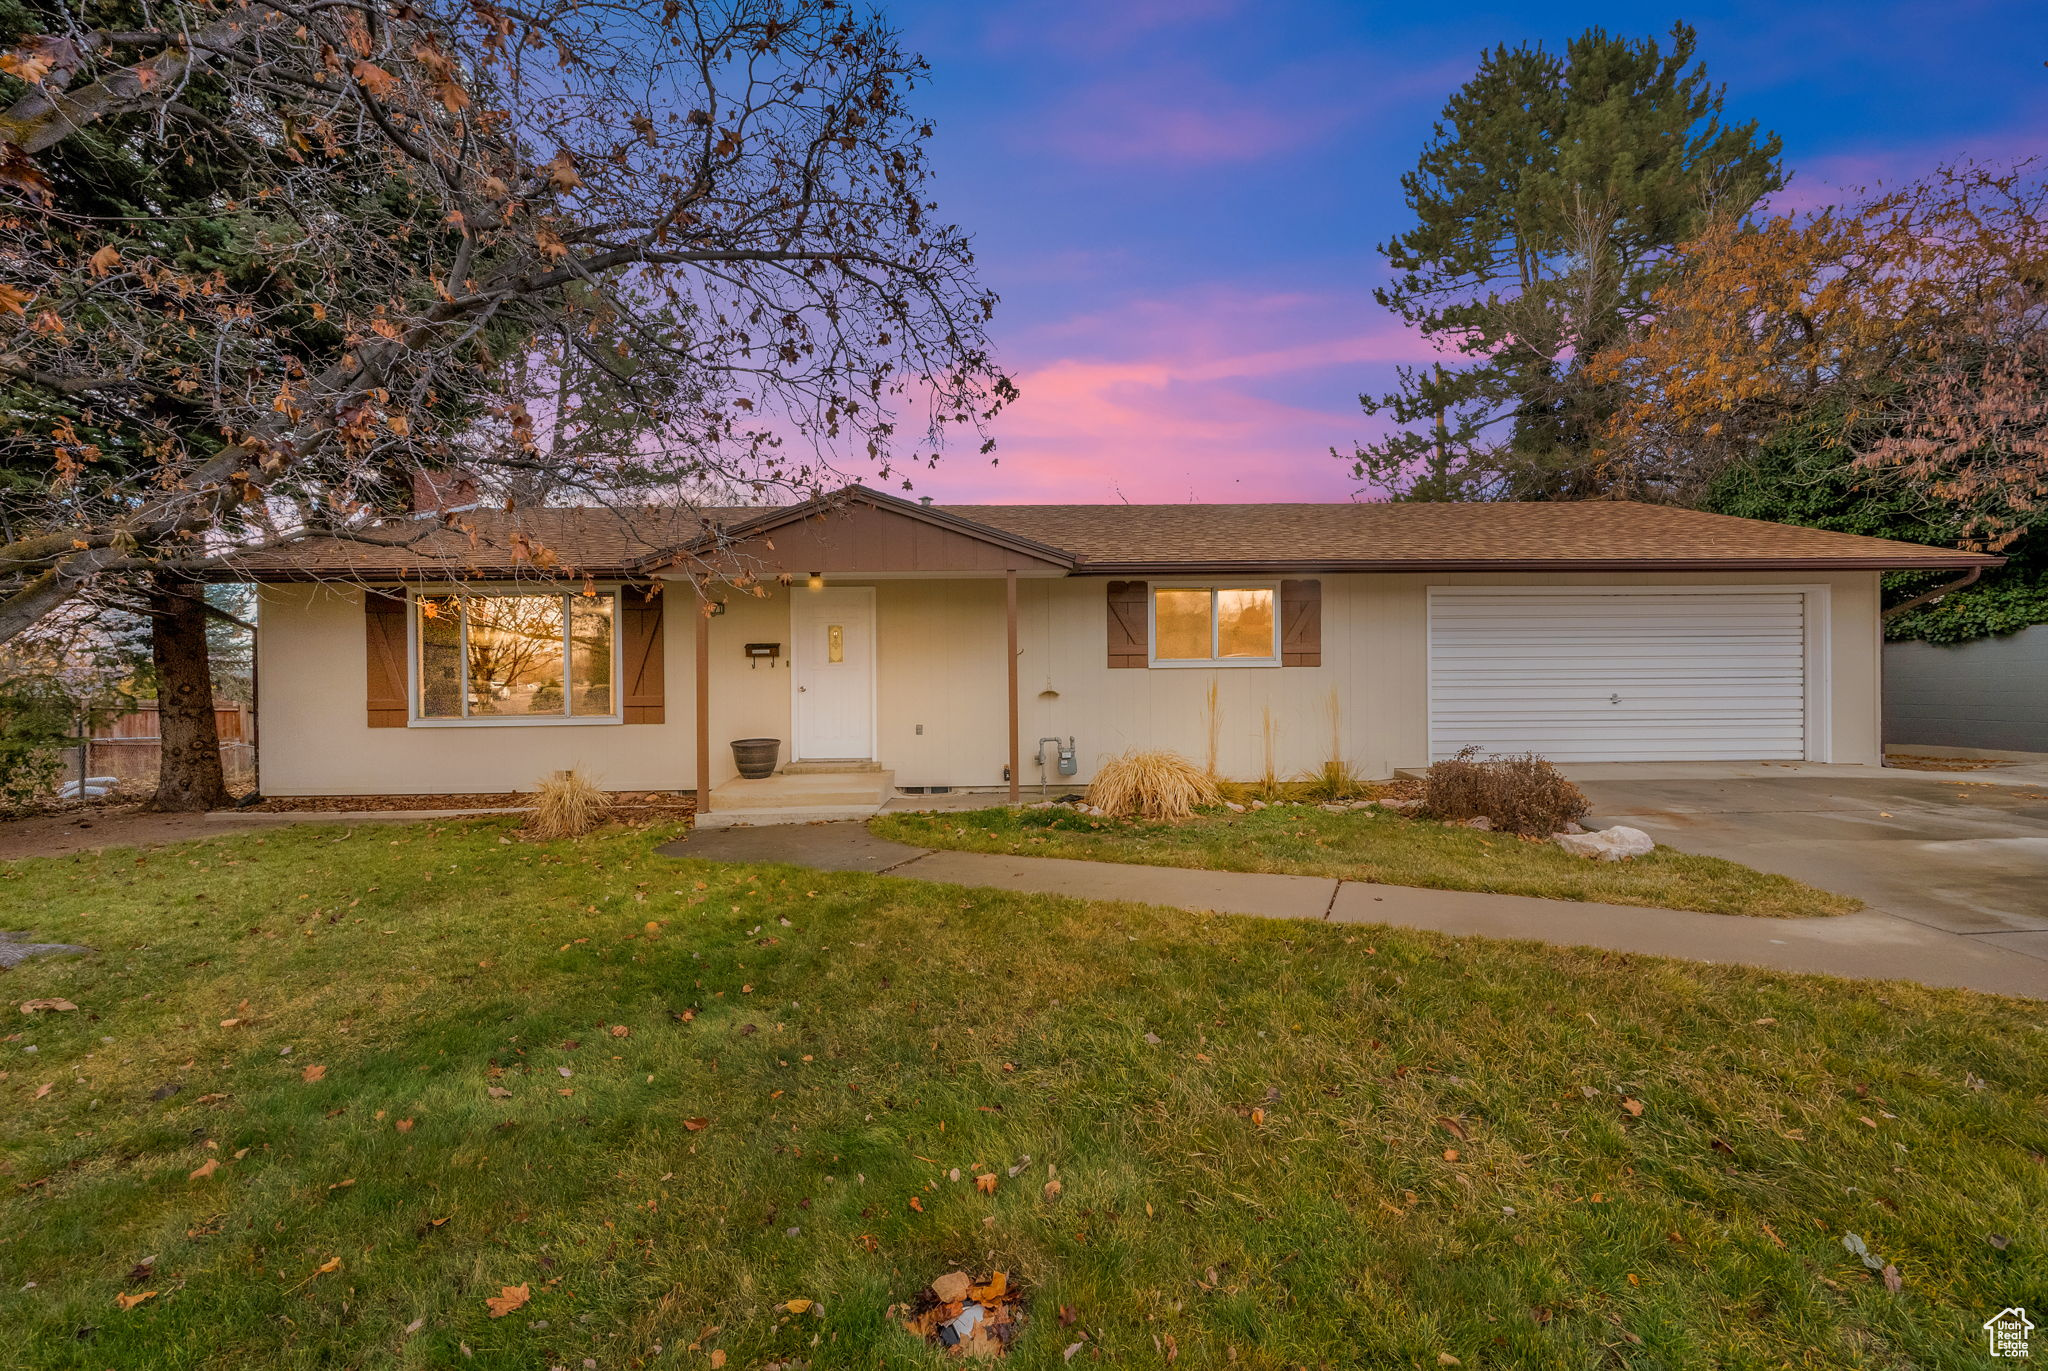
1178,200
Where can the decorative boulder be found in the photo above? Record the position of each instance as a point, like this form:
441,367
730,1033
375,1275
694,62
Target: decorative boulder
1607,844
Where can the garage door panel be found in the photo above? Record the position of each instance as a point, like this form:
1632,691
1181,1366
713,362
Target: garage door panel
1590,676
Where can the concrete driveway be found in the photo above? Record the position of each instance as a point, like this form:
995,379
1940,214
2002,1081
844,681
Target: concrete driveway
1966,855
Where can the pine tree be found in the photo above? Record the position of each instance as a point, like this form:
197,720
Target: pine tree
1547,203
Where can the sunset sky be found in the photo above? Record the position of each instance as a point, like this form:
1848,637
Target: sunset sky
1179,200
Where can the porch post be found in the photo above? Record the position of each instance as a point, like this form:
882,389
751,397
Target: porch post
703,699
1010,609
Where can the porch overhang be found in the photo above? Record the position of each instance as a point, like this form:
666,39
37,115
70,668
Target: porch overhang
862,532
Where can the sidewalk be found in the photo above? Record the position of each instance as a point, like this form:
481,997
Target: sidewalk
1867,945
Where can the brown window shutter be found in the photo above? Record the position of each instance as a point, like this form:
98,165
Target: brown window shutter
384,633
1301,623
640,641
1129,639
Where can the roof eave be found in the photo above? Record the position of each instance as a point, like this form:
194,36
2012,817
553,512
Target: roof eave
1330,566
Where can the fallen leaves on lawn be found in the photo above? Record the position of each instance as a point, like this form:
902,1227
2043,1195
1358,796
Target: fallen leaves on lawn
507,1299
127,1301
313,1073
1634,1107
986,1183
204,1170
1456,1129
696,1125
498,1092
966,1317
61,1006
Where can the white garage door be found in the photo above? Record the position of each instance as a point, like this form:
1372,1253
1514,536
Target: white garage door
1587,676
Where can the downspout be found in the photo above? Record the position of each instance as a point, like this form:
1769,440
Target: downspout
1965,579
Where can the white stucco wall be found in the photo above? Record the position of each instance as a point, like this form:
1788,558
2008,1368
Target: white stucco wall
939,648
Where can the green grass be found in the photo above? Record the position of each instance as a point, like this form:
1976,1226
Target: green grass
851,1039
1373,845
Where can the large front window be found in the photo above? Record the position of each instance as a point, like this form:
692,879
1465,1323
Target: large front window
1220,624
494,656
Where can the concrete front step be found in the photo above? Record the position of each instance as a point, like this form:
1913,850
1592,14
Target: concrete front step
846,790
794,814
849,768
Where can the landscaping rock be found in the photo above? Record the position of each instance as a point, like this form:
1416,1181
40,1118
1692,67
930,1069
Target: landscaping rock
13,951
1609,844
1399,806
1481,822
1233,806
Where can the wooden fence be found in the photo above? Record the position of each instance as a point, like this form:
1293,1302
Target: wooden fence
129,747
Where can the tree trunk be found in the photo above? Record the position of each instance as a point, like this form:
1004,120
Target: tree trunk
189,773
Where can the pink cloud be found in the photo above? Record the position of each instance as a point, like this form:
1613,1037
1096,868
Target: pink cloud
1847,176
1215,395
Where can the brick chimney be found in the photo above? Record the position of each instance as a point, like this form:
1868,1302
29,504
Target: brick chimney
435,492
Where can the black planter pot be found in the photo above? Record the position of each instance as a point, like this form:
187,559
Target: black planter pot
755,757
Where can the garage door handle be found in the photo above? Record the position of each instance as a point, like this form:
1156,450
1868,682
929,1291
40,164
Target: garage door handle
1614,699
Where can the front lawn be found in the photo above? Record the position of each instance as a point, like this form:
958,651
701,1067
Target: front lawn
1371,845
327,1091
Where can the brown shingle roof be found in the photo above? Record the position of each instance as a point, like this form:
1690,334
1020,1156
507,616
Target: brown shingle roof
1592,536
594,541
1599,534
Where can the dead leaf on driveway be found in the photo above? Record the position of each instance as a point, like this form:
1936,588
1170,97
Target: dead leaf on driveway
507,1299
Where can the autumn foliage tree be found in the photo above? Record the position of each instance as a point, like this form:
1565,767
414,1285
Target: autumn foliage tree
718,210
1915,323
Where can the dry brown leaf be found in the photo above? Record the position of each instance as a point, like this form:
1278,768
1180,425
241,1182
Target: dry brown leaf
44,1089
696,1125
1634,1107
1259,1118
508,1298
717,1357
917,1204
619,1030
204,1169
498,1092
952,1286
1456,1129
1450,1154
1772,1234
403,1125
127,1301
61,1006
313,1073
328,1267
986,1183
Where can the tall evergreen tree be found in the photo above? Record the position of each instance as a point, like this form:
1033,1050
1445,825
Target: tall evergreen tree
1547,204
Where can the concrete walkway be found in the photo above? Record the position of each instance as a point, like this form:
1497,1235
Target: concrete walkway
1870,944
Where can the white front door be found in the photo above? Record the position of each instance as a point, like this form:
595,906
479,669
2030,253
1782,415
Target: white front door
832,669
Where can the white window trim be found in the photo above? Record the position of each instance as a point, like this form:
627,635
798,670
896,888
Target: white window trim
1152,658
414,719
